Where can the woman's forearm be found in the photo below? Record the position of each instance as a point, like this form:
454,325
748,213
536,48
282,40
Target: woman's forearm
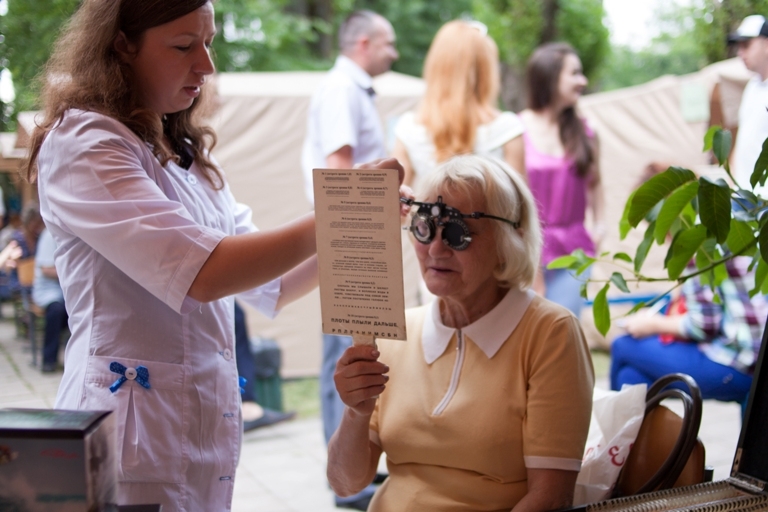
352,457
243,262
298,282
548,489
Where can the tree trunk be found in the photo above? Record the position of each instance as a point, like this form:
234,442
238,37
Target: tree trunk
549,10
325,46
513,94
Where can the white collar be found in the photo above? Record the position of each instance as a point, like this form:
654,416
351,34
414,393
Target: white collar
354,71
489,332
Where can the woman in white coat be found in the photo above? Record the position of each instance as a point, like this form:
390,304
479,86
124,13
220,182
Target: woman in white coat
151,246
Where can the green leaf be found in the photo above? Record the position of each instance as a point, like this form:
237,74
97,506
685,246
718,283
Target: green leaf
673,206
689,213
656,189
715,207
563,262
762,239
618,280
637,307
709,136
764,287
624,225
740,236
760,273
720,275
600,311
623,257
585,265
707,254
721,145
760,172
644,247
684,246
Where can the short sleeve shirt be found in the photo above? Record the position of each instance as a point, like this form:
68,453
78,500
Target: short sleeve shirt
45,290
466,412
753,130
131,235
342,112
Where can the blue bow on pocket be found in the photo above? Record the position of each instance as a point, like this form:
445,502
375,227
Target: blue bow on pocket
140,374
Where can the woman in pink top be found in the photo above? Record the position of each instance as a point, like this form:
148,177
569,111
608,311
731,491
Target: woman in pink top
561,160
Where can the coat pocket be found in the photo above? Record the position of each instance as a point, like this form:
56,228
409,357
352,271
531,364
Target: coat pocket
150,422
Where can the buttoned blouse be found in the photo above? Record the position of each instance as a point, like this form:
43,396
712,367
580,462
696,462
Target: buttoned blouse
467,411
131,236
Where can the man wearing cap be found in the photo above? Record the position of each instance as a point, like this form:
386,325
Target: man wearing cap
752,40
344,129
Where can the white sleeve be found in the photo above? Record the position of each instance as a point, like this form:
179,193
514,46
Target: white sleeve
99,183
337,118
498,132
263,298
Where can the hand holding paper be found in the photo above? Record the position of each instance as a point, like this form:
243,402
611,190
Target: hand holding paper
359,378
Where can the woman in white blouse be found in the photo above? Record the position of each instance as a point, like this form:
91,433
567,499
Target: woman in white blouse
151,246
458,114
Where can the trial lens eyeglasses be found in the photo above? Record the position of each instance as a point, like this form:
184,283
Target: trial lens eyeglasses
455,234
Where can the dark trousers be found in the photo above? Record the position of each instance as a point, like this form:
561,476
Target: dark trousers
55,322
246,366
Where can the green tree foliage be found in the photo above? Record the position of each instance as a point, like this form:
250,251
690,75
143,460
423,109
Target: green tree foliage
416,22
29,30
715,19
689,37
674,50
261,35
519,26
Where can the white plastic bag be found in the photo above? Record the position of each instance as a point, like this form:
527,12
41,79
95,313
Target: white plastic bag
616,420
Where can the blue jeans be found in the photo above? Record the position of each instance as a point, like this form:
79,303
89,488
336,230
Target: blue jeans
330,402
564,288
644,360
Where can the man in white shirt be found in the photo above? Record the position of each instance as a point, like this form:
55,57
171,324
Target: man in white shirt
752,40
344,129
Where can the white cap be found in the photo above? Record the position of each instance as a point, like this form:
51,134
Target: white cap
751,26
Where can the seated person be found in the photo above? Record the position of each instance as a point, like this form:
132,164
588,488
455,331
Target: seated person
487,405
716,343
25,237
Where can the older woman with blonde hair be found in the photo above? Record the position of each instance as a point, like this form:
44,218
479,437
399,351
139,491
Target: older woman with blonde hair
487,405
459,113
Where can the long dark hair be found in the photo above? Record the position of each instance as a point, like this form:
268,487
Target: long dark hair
543,76
85,72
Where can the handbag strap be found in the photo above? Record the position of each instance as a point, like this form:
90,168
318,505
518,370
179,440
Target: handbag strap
670,470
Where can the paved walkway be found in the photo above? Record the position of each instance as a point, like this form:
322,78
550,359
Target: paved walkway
282,468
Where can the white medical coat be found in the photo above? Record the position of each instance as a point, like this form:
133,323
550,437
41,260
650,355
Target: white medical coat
131,236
